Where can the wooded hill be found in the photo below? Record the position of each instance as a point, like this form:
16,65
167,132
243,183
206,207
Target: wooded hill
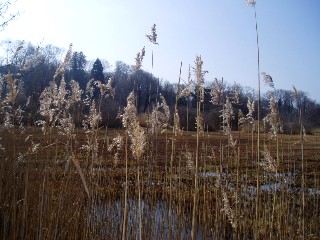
33,68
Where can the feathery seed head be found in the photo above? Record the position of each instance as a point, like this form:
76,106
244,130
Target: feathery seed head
176,123
116,142
131,123
296,94
130,113
34,60
199,123
48,101
76,92
66,127
199,72
62,93
21,45
236,93
216,93
267,79
153,36
139,59
94,116
138,140
89,88
187,90
65,63
250,106
228,210
102,87
111,90
200,77
159,117
105,89
13,89
268,163
251,3
225,200
273,118
93,119
304,133
166,110
295,91
227,113
242,118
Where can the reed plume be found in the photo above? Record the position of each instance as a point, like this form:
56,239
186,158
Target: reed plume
139,59
216,93
153,36
251,3
13,89
267,79
268,163
159,118
273,118
61,69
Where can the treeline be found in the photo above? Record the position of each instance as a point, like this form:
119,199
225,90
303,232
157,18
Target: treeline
33,68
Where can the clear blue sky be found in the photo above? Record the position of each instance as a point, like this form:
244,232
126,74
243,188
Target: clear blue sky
221,31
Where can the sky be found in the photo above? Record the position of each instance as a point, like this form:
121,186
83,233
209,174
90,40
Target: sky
221,31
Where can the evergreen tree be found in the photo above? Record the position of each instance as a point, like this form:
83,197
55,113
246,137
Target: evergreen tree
97,71
77,64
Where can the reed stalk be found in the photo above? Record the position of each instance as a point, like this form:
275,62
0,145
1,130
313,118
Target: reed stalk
173,145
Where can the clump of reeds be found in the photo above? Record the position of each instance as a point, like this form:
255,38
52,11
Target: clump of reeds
138,140
136,135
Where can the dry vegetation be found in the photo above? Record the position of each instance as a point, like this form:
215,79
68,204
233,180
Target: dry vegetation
153,181
44,198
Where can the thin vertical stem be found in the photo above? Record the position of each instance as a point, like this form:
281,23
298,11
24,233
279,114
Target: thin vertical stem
124,226
172,152
196,176
258,141
302,168
139,201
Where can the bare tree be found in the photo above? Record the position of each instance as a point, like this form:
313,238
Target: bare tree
5,15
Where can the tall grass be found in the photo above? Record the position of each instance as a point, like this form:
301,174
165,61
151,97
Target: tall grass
253,3
200,98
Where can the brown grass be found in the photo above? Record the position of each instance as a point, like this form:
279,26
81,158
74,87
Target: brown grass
40,200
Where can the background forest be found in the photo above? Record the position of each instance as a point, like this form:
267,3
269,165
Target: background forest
33,68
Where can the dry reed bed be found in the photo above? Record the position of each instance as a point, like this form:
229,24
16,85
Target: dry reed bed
41,199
